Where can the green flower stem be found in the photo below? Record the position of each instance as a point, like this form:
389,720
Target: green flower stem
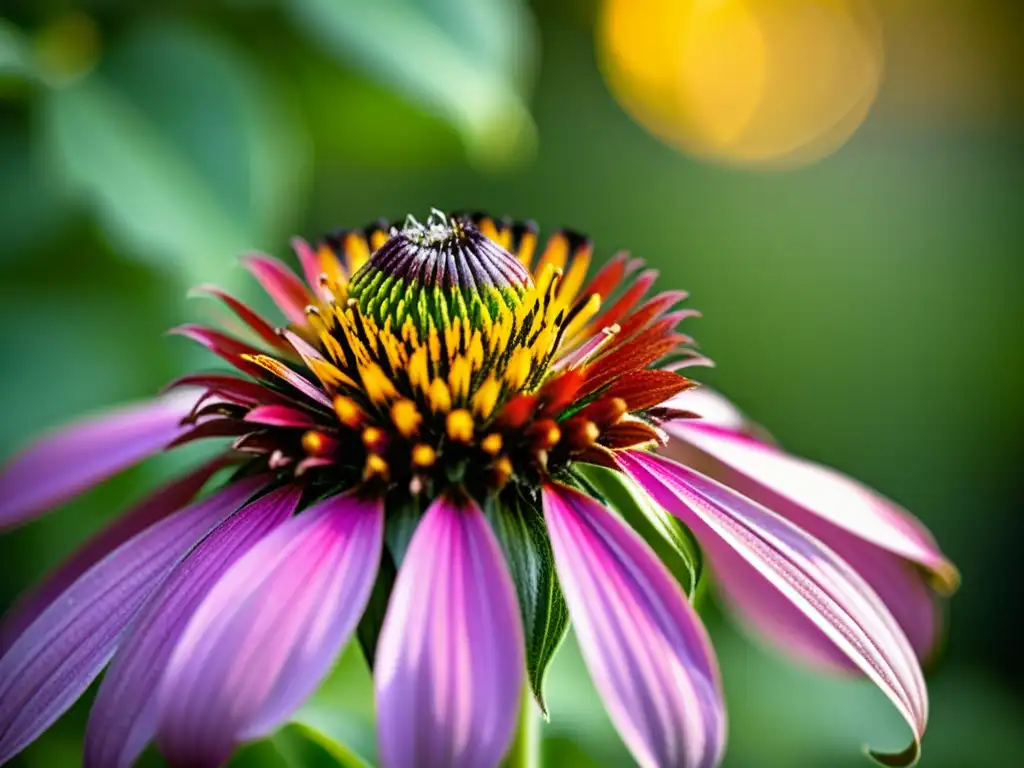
525,751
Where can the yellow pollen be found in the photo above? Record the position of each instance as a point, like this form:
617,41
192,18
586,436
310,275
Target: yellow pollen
501,471
313,443
373,437
376,384
486,397
348,412
460,425
375,467
423,455
407,419
491,444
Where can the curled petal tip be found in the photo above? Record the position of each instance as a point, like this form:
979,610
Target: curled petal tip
903,759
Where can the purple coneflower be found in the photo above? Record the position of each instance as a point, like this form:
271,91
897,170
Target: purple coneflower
417,460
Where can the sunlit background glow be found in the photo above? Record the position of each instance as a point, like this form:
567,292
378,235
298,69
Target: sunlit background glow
780,82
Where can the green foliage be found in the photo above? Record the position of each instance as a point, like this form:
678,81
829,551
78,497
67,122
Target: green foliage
465,60
520,529
670,539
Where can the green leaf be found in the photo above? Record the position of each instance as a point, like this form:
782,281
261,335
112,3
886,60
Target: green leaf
373,617
303,745
186,154
670,539
464,60
520,528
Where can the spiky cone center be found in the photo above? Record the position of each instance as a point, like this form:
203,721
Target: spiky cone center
441,360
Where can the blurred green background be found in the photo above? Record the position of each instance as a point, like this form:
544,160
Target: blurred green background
863,303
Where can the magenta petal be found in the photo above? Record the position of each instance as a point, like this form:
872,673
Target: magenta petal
449,665
644,645
748,543
281,285
837,500
49,666
72,460
154,507
269,630
280,416
123,717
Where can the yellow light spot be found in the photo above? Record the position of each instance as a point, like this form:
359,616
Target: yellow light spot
407,419
486,397
356,251
423,455
745,81
492,443
439,396
348,412
501,471
460,425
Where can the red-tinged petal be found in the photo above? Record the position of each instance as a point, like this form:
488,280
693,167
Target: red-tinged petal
449,665
750,545
280,416
281,285
257,324
653,309
311,267
56,658
229,349
240,391
153,508
123,717
622,306
268,631
646,389
644,645
72,460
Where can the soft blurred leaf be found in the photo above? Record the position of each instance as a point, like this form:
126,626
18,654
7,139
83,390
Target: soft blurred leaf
670,539
523,537
188,156
373,617
306,746
15,53
466,60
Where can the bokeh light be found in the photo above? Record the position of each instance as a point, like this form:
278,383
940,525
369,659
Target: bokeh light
763,82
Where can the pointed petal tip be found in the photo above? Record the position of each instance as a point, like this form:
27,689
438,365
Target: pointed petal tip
903,759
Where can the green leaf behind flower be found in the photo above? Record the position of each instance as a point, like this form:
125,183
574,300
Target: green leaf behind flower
523,536
466,61
670,539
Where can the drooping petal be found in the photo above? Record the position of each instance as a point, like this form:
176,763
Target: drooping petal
644,645
749,543
123,717
250,317
837,500
154,507
449,664
56,658
72,460
281,285
269,630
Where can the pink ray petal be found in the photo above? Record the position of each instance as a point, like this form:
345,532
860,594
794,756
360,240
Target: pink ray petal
450,661
644,645
749,543
269,630
153,508
123,717
826,494
73,459
56,658
280,416
281,284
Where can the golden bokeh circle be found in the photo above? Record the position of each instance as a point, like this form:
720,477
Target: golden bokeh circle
752,82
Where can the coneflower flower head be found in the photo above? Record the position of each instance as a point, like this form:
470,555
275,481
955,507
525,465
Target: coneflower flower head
424,457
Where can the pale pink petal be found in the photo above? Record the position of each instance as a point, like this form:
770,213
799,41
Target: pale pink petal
748,542
281,284
269,630
72,460
644,645
56,658
123,717
450,661
154,507
835,499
